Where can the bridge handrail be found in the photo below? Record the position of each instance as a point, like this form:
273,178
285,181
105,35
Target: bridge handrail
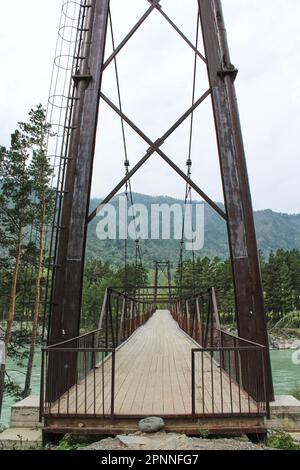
234,336
71,340
236,364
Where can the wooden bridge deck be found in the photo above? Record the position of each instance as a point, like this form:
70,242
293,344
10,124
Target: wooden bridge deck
153,377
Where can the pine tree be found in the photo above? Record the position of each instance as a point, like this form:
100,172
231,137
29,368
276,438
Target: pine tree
15,215
40,173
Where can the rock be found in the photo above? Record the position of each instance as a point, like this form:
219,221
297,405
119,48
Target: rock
296,437
295,344
132,441
151,425
171,441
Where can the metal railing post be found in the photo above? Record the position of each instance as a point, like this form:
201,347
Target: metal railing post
193,383
113,372
42,392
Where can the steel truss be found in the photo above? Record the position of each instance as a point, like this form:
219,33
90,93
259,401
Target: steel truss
66,295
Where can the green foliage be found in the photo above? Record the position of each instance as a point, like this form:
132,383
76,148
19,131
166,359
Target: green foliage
97,278
12,388
26,201
281,282
17,346
15,201
282,440
290,321
40,171
206,273
274,231
281,279
204,433
295,392
26,206
69,442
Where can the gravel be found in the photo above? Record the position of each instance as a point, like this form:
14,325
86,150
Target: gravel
171,441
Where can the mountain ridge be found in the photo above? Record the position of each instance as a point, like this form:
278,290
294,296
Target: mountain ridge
275,230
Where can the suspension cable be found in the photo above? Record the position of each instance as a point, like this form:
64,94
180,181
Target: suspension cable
128,186
188,189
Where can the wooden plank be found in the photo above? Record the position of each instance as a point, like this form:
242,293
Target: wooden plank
153,377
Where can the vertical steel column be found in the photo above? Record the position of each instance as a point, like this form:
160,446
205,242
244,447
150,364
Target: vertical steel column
67,291
246,270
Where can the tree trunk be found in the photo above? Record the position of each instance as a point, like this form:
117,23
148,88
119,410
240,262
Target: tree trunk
35,321
11,311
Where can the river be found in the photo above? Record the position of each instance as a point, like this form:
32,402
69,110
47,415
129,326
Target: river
17,373
286,375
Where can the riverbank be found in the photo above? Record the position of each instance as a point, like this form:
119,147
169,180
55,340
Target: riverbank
285,338
279,338
284,359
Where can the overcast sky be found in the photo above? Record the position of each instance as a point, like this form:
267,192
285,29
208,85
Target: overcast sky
156,85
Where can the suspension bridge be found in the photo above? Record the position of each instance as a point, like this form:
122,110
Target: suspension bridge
158,350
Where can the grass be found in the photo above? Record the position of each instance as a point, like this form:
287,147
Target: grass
282,441
289,321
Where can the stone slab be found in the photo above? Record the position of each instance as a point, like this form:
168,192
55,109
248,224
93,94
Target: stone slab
26,413
285,403
20,439
33,401
285,414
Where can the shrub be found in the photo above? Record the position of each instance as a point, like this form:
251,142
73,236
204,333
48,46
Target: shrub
283,441
296,392
69,442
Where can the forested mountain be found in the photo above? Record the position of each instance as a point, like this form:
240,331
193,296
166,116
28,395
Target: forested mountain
274,231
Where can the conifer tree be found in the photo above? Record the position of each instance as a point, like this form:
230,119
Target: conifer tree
15,214
37,131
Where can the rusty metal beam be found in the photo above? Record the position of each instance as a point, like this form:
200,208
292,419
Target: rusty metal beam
66,297
158,7
183,36
130,34
251,317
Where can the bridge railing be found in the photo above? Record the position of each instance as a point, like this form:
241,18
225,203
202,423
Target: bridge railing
84,377
225,383
239,363
122,313
197,315
77,377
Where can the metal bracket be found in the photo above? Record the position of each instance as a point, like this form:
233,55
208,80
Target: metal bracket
78,78
228,70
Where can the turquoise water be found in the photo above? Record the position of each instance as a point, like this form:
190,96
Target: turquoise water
17,373
286,376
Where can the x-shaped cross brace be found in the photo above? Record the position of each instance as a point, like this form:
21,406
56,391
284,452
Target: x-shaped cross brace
155,148
154,5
